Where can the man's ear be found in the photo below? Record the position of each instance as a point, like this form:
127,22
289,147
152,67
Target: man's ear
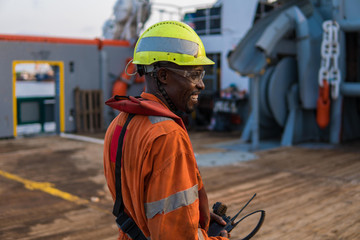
162,76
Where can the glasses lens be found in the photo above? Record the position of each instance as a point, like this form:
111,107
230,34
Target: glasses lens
202,75
197,75
194,76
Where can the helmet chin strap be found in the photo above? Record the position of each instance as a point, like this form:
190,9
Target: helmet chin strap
163,92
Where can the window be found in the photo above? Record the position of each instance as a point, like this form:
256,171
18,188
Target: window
212,76
205,21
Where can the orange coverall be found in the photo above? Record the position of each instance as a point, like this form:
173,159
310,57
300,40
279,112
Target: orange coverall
160,179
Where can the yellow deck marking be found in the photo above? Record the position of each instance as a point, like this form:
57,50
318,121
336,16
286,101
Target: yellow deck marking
45,187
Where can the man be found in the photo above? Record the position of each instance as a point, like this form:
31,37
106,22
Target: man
147,152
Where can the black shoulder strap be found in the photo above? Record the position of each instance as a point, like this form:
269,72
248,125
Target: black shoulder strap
126,224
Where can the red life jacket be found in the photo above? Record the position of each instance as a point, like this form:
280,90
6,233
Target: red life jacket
142,106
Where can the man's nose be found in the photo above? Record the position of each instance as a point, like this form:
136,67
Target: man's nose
200,84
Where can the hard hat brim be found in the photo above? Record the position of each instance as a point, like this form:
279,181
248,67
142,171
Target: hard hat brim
147,58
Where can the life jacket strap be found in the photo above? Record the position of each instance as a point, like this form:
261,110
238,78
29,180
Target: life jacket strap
124,222
128,226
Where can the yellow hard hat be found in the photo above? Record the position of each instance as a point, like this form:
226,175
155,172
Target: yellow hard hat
170,41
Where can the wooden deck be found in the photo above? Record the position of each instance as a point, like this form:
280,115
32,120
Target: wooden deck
306,193
53,188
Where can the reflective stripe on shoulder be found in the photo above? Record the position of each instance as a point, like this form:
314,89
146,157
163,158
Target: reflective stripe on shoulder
171,203
157,119
200,234
166,44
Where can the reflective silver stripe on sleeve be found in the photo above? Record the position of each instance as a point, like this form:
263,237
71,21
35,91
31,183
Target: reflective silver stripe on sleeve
200,234
171,203
166,44
157,119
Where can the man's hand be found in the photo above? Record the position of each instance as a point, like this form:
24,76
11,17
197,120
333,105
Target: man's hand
216,218
224,233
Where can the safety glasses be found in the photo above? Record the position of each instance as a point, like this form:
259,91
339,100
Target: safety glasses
194,76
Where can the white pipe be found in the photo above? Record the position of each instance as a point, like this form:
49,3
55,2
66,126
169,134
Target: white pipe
350,25
82,138
350,89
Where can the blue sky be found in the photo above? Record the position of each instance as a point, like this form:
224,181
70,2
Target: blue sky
65,18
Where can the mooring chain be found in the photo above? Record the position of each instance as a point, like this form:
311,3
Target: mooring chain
330,51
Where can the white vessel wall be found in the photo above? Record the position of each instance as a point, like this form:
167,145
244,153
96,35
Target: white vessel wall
236,19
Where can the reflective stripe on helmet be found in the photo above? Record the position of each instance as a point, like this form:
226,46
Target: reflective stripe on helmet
166,44
171,203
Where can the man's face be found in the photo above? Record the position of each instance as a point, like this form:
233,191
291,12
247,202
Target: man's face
184,84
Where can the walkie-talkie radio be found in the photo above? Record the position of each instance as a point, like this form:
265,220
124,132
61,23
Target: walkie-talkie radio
220,209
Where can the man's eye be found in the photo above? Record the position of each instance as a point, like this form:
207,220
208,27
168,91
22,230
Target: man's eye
195,75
